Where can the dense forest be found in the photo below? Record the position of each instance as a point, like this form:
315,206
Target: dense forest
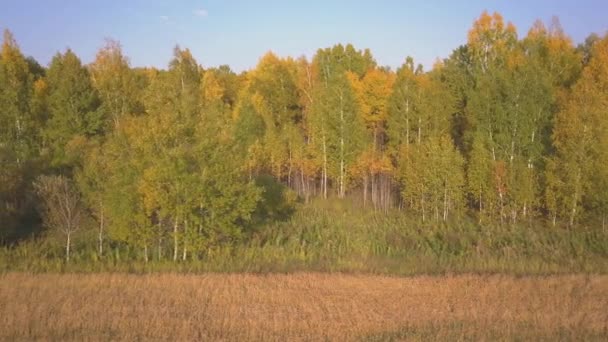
169,163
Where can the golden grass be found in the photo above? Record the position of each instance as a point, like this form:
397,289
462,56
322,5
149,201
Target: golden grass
299,307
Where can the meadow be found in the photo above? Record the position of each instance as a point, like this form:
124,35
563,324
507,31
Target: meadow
338,236
330,271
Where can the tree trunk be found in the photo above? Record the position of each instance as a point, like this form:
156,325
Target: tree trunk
501,207
407,123
389,191
480,206
341,191
374,201
381,186
445,203
175,246
160,249
324,180
436,213
100,237
185,252
512,154
303,185
573,213
419,130
492,141
422,204
365,190
342,162
146,253
67,247
289,170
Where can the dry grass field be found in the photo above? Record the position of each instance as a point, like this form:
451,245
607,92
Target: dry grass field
301,307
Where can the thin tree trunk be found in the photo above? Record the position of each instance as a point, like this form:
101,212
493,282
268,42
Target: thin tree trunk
419,130
501,207
573,213
342,162
445,203
303,185
492,141
289,169
381,192
512,155
67,247
341,193
175,246
146,253
185,253
324,180
423,214
480,206
448,206
365,189
160,249
436,213
374,200
100,237
407,122
385,192
389,192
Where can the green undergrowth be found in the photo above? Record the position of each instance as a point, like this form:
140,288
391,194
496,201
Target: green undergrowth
331,236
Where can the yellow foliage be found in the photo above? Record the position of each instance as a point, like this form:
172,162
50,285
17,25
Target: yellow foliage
373,91
212,90
40,87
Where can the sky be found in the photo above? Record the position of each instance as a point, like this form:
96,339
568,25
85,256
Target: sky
239,32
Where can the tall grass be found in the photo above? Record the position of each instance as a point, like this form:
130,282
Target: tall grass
334,236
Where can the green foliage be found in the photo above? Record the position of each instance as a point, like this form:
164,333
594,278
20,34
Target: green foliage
337,129
336,236
17,124
73,104
277,201
115,83
580,138
219,169
433,178
20,139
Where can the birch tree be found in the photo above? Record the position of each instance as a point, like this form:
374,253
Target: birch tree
115,83
62,208
580,138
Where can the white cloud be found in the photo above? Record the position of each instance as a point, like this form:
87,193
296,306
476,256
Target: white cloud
201,12
164,18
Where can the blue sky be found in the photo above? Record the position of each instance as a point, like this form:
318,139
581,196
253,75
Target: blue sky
239,32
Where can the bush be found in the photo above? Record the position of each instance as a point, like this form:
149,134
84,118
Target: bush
335,236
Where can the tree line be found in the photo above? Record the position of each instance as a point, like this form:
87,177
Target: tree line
505,129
